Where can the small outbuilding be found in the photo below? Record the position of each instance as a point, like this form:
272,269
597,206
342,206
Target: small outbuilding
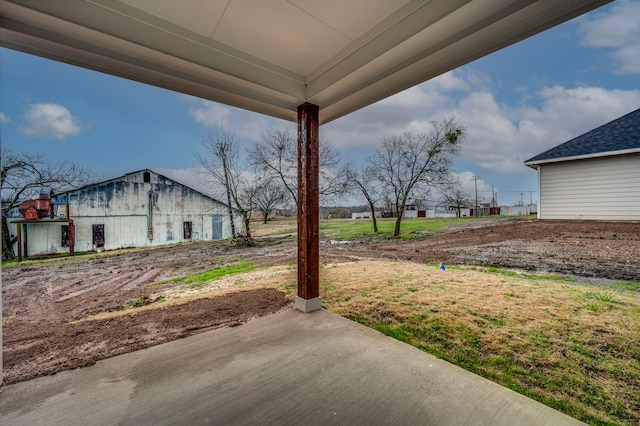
138,209
595,176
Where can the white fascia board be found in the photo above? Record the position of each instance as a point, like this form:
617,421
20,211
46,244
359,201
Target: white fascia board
535,164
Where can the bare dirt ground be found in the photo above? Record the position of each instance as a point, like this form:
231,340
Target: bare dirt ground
44,303
600,250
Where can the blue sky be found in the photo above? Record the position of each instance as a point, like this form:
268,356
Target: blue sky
515,104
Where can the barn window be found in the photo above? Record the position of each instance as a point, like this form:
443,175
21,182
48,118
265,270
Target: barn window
65,236
147,176
188,227
98,235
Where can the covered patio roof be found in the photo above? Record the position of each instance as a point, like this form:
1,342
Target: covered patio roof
308,61
270,56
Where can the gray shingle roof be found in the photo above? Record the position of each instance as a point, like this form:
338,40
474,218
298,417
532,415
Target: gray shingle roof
618,135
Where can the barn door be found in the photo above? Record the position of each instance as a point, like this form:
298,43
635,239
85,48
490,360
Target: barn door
65,236
98,235
187,228
216,233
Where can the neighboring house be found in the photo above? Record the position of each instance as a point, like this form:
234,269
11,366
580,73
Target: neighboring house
594,176
138,209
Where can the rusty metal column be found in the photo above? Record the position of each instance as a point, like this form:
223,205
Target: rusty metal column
19,232
72,237
308,298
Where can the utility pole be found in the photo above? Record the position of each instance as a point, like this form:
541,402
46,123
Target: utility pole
475,180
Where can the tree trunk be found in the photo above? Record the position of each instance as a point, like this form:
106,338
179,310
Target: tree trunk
373,217
247,223
399,213
396,230
226,183
7,246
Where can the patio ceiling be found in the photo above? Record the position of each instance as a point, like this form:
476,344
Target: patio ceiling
270,56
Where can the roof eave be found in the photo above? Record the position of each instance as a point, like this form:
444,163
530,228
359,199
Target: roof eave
535,163
411,50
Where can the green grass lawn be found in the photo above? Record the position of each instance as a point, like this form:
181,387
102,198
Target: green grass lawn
344,229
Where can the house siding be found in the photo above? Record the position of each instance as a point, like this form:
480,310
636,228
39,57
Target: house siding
605,188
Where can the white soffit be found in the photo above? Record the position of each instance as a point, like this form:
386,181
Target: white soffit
270,56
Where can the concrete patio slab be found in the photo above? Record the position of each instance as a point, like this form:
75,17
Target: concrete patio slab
287,368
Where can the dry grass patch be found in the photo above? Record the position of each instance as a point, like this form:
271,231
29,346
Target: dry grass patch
573,347
273,227
282,277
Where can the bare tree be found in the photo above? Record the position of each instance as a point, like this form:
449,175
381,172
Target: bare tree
413,162
362,181
277,156
454,197
222,162
268,196
23,176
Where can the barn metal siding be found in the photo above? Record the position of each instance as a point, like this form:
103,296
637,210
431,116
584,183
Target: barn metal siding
44,238
122,206
606,188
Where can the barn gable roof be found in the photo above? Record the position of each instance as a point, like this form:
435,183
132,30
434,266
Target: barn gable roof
620,136
140,172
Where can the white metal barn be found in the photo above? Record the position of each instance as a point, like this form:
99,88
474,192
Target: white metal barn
138,209
595,176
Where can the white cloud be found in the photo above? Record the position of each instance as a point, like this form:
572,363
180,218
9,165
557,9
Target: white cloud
468,185
499,137
211,114
246,124
50,121
393,115
252,126
3,118
618,30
